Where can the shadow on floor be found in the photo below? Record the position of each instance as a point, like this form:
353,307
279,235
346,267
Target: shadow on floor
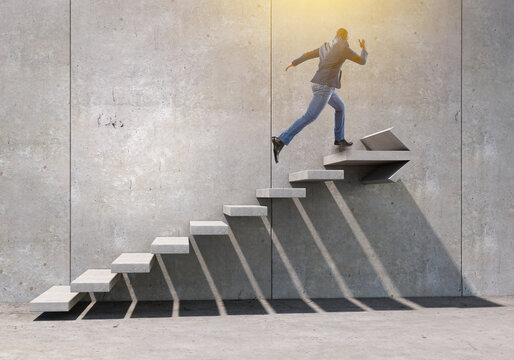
384,304
107,310
73,314
453,302
189,308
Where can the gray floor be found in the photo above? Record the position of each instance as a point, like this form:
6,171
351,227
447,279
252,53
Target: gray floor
415,328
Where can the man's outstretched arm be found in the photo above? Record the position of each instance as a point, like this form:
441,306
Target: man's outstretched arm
307,56
364,54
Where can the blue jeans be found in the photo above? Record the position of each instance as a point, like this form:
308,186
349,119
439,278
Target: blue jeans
322,94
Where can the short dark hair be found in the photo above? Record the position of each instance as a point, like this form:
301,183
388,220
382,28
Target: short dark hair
342,33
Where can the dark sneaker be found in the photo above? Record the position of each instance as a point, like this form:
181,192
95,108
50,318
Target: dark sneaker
343,143
277,146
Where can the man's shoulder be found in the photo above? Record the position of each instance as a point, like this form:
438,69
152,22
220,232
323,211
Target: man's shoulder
347,51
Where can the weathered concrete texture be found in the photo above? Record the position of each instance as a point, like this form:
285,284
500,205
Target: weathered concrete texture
152,332
162,92
34,143
402,238
488,127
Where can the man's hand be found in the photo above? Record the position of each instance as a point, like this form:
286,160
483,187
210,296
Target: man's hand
357,59
289,66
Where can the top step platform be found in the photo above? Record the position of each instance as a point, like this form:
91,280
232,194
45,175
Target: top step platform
385,153
365,157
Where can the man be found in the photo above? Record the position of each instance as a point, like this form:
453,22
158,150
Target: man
331,55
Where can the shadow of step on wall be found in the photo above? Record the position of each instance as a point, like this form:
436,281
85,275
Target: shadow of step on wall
385,153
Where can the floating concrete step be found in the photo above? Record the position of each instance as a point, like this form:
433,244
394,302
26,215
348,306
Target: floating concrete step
281,193
133,263
316,175
208,228
57,298
95,280
386,153
365,157
245,210
171,245
387,165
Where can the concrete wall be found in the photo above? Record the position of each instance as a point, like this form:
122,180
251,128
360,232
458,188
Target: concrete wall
170,121
488,127
34,147
172,107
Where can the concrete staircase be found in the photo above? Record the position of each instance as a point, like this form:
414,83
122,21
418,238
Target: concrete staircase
384,153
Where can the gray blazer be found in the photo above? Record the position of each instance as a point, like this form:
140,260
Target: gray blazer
331,60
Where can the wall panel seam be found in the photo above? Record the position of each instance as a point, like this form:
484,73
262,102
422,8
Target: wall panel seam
69,61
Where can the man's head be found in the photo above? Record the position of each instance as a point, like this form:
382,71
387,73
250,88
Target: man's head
342,33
